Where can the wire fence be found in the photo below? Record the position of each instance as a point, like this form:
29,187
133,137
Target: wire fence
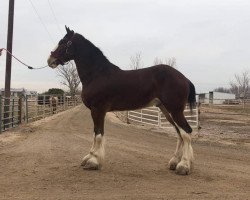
153,116
17,110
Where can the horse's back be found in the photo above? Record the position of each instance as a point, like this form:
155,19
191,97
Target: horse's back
131,89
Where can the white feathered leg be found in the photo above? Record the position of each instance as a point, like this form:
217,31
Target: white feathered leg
177,155
184,166
95,158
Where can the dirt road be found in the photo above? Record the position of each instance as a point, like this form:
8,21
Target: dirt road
42,161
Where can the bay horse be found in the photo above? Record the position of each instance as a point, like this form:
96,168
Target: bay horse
105,88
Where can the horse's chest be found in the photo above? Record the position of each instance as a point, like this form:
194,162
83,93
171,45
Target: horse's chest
90,98
85,99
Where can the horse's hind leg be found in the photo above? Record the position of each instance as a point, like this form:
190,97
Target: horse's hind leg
95,158
178,151
185,165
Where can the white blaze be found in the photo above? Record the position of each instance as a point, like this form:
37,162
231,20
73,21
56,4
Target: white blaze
51,60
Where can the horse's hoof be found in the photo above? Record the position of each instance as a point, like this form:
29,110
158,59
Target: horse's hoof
85,160
173,163
172,166
91,164
183,169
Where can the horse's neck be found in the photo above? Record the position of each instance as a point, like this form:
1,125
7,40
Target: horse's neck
88,71
91,62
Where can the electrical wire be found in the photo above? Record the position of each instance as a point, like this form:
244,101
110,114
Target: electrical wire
54,16
45,27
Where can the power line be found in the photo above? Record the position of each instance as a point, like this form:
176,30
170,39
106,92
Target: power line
54,16
45,27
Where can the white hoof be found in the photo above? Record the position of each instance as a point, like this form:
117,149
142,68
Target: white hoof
90,162
183,168
95,158
85,159
173,163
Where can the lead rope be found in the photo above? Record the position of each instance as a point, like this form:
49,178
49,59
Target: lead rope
30,67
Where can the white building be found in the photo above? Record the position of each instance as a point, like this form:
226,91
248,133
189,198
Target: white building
216,97
16,92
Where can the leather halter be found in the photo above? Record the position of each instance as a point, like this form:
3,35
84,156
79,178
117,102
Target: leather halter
67,45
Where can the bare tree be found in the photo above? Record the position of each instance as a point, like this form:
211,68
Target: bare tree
168,61
240,85
171,62
69,78
136,61
158,61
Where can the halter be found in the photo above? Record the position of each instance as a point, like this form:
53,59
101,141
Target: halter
67,45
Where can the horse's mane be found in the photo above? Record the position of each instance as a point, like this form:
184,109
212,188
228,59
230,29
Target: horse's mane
93,53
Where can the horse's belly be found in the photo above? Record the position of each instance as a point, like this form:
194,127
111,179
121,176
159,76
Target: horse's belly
131,103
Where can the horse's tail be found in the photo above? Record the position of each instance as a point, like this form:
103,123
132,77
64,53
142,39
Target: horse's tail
191,96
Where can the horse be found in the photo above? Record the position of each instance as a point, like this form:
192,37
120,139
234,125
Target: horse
53,102
106,88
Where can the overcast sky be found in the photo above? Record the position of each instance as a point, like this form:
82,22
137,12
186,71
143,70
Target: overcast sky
210,39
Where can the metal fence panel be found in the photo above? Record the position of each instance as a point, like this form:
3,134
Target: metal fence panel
154,117
9,111
32,108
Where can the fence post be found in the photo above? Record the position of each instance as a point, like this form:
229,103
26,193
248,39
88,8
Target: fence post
6,113
20,107
13,107
141,115
159,117
26,109
64,98
37,108
1,113
127,117
198,113
44,106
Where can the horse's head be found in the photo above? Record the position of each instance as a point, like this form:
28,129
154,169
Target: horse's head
63,52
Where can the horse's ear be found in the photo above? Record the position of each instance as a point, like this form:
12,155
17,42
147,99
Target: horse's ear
67,29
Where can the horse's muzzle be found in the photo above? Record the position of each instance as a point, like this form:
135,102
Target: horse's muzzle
53,62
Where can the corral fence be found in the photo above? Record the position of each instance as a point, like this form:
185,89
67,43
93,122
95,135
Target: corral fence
17,110
153,116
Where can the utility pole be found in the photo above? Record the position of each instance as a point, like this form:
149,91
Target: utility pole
8,64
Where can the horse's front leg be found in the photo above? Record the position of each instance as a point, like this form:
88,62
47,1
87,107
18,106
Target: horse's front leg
95,158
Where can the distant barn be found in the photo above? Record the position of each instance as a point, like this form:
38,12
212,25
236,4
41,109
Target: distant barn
217,98
17,92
